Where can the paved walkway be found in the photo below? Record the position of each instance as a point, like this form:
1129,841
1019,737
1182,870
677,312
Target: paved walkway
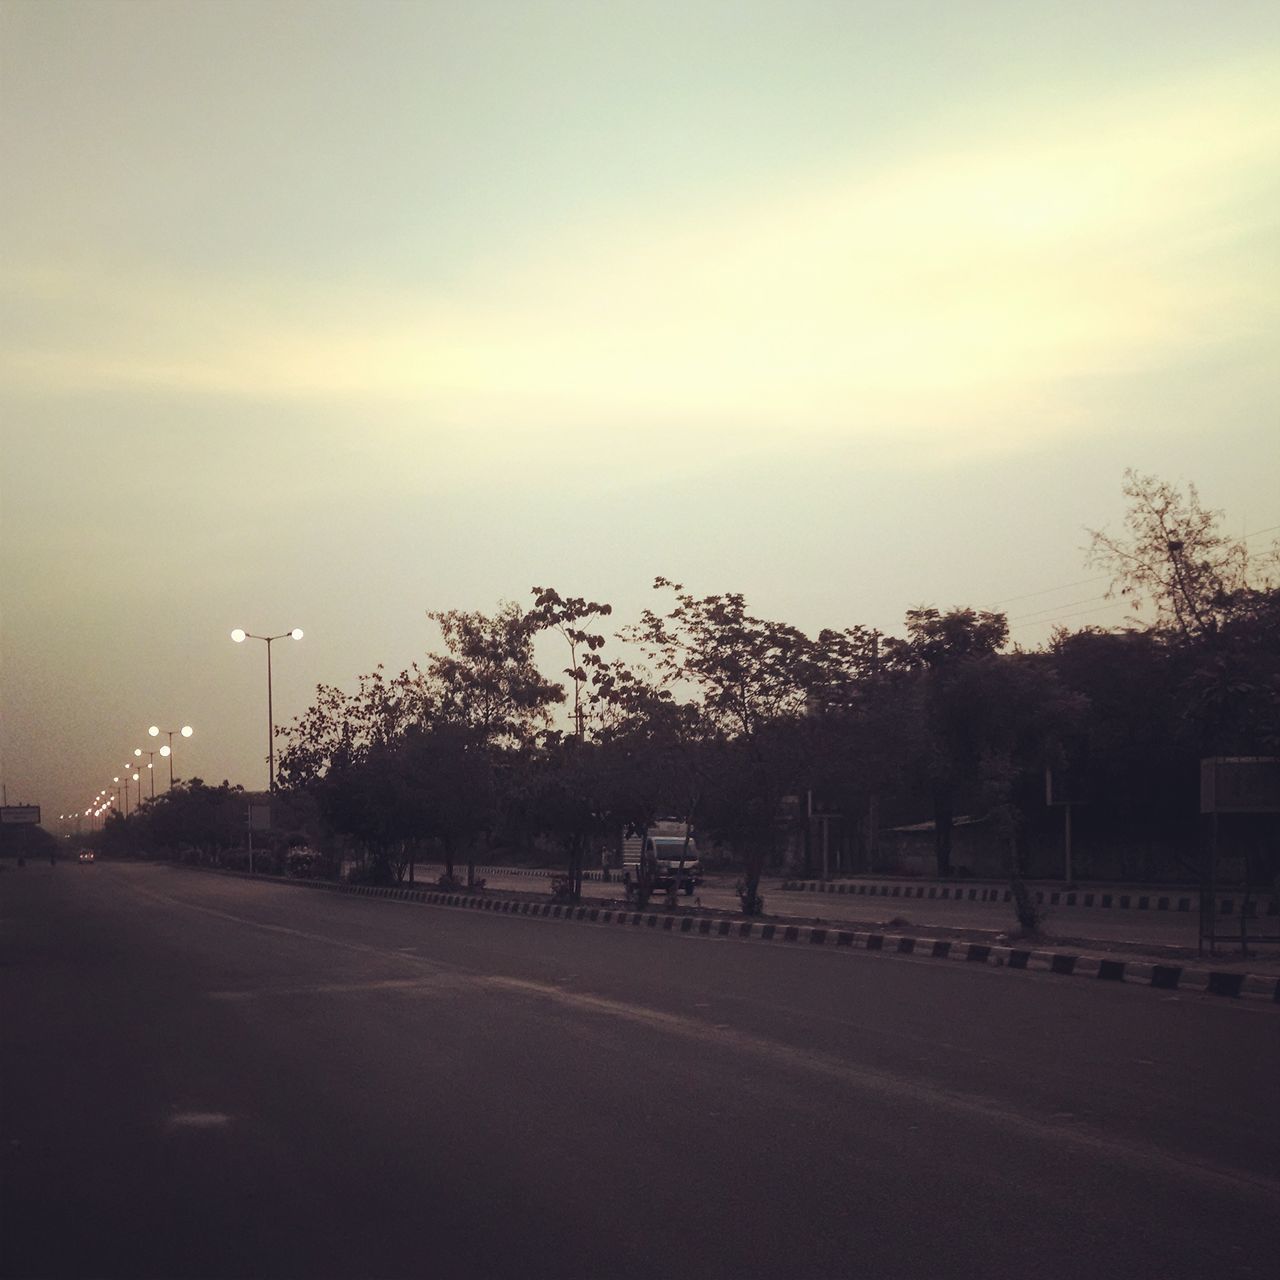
1160,934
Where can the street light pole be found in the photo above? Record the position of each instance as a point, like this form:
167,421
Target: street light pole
240,636
155,731
151,765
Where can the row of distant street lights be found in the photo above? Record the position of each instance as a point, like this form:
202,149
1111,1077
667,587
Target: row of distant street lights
110,796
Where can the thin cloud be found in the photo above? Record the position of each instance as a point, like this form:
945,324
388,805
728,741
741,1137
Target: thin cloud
941,300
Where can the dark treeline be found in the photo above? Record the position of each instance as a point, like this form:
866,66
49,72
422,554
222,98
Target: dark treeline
742,726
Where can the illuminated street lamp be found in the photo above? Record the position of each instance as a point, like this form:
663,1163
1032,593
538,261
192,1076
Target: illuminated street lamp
155,731
240,637
151,764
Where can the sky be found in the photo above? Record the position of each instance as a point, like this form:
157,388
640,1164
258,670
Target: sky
325,315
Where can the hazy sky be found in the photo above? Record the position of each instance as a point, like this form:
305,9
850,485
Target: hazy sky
327,314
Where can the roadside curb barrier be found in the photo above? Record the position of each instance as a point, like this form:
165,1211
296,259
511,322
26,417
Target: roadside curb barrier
1156,977
1043,897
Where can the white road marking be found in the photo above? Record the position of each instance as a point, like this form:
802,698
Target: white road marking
198,1120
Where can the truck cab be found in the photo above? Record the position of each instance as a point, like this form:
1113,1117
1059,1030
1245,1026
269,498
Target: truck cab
671,860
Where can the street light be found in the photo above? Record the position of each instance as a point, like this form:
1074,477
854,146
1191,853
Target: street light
151,764
240,636
155,731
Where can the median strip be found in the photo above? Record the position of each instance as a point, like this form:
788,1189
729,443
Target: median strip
1156,977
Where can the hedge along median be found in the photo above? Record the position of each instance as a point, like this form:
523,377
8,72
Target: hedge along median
1156,977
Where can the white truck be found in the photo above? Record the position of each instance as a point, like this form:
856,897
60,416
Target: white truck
670,854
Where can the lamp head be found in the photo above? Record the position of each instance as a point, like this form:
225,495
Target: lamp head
154,731
187,731
238,636
296,633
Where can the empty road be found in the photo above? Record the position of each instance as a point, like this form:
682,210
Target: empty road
206,1076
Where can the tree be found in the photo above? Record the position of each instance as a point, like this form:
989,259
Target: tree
190,816
487,678
752,679
1174,556
866,735
344,751
656,748
569,792
1213,602
1233,692
445,774
552,611
953,657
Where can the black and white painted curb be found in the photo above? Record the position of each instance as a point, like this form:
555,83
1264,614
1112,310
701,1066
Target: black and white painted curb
1157,977
1044,897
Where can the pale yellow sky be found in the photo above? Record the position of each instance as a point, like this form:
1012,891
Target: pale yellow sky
355,311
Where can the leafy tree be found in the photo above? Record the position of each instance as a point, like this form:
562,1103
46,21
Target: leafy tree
1173,555
190,815
1214,605
344,751
751,678
1233,693
569,788
863,714
953,657
552,611
446,782
339,729
658,749
487,679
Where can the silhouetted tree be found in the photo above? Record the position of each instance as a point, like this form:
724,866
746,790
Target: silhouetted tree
751,678
953,655
1173,556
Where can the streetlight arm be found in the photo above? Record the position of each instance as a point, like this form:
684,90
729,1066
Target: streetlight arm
239,635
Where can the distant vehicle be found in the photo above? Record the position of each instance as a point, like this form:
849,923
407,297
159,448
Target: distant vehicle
669,857
86,855
302,861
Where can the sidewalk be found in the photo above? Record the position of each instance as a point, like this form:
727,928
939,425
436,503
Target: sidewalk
883,914
1048,893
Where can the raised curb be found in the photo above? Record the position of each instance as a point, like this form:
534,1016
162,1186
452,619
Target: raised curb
1156,977
1044,897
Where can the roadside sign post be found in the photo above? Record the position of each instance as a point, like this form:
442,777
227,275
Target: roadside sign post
1233,785
1059,792
259,819
20,814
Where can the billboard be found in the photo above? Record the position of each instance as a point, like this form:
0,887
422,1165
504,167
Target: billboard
1240,784
20,813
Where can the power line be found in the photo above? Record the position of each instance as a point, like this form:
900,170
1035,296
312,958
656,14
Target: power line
1084,582
1053,608
1048,622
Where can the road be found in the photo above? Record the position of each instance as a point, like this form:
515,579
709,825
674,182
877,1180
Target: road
206,1076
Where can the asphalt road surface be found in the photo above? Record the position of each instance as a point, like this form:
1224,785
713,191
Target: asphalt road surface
206,1076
